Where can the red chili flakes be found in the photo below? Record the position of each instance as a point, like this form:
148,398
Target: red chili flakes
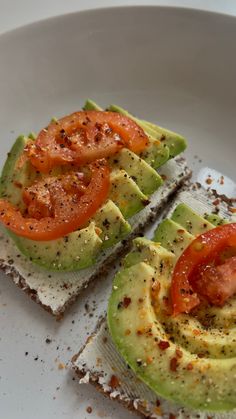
164,177
18,184
158,403
179,353
180,231
172,416
222,180
140,300
168,308
165,301
163,345
209,181
114,382
126,302
173,364
216,202
89,409
200,355
149,360
189,366
98,231
155,289
140,332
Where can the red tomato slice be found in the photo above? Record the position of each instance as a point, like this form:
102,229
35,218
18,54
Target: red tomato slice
83,137
38,196
216,283
70,210
204,250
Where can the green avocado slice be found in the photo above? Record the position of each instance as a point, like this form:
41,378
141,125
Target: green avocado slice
12,178
147,179
175,142
215,219
132,181
140,337
190,220
173,237
125,193
156,154
112,223
188,359
148,251
90,105
77,250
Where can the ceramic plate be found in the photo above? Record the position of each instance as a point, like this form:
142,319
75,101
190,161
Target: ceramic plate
172,66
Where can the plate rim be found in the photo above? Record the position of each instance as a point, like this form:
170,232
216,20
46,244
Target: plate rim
108,9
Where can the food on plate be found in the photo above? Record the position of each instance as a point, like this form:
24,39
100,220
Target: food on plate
54,185
72,193
172,314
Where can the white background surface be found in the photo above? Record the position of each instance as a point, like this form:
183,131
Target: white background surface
32,385
15,13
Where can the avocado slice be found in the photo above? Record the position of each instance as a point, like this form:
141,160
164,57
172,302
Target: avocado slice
14,177
173,237
215,219
90,105
112,224
109,219
148,251
77,250
190,220
156,154
175,142
125,193
132,181
139,336
147,179
188,359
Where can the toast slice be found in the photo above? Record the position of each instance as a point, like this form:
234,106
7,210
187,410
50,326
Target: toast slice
56,291
99,363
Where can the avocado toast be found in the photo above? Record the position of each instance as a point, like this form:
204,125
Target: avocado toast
135,195
191,372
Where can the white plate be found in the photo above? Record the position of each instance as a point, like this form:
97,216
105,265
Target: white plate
173,66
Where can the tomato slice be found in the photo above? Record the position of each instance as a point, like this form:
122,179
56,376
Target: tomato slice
216,283
204,250
38,197
70,210
83,137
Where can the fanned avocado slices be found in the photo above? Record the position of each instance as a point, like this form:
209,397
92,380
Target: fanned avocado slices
163,144
133,180
189,359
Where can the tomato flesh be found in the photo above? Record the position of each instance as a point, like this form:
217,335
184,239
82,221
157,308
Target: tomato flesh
38,197
203,251
83,137
216,283
71,209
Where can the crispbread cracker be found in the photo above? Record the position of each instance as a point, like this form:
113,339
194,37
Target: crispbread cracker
55,291
131,392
